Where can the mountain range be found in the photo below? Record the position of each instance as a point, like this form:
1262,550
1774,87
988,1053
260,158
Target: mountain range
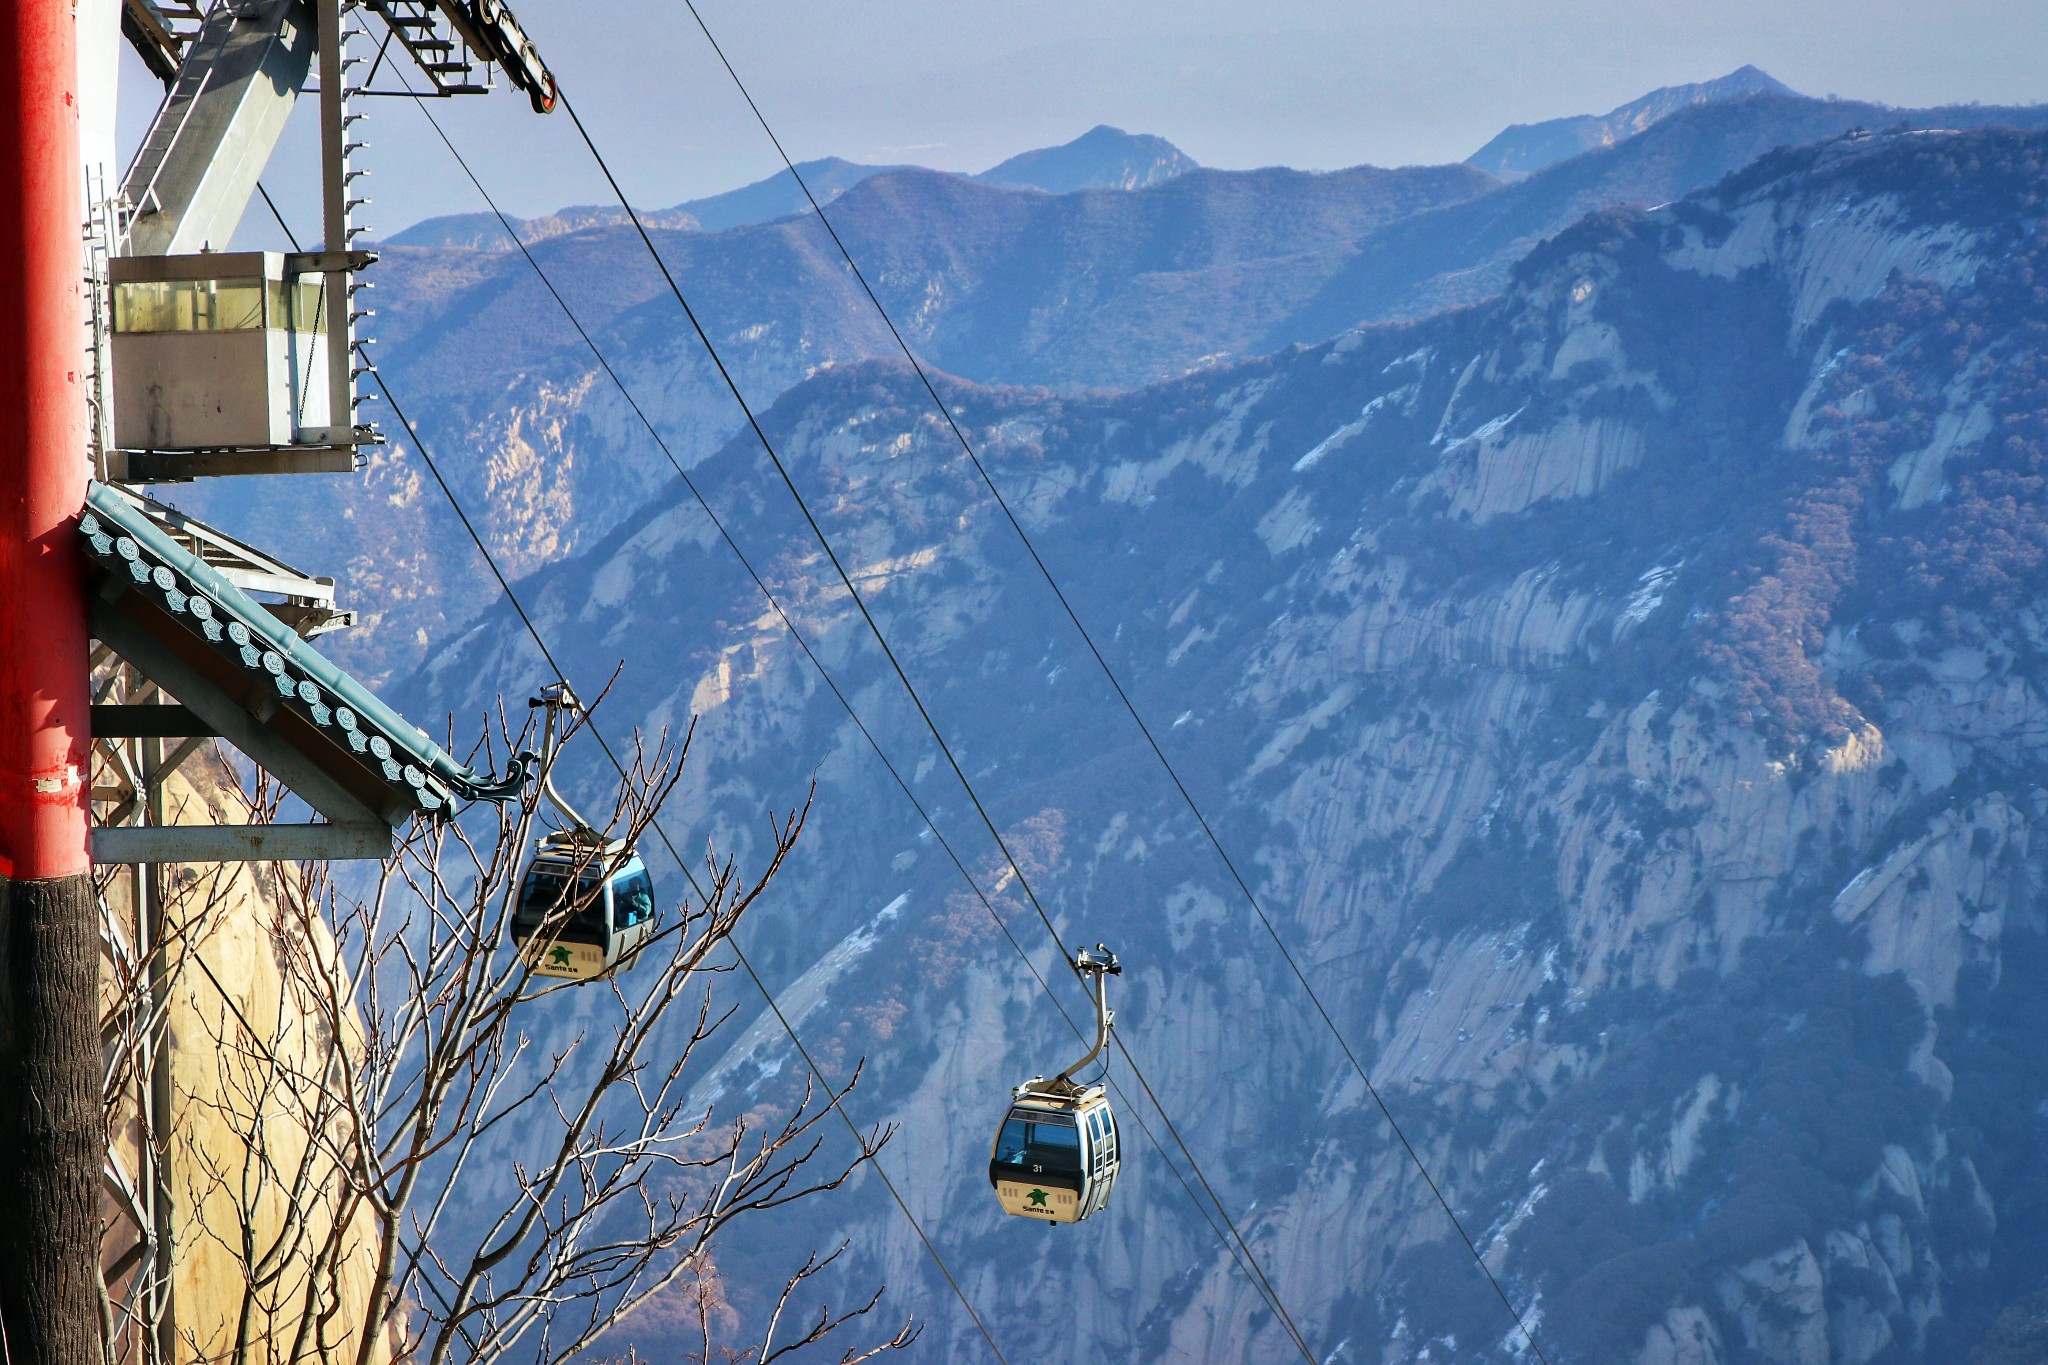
1101,158
1622,694
1600,614
1102,288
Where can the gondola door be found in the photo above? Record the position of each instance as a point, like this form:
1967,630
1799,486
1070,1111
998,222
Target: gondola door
1099,1137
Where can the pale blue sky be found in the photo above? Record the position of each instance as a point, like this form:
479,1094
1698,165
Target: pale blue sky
963,84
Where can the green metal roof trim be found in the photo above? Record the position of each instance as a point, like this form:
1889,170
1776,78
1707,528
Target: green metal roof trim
127,543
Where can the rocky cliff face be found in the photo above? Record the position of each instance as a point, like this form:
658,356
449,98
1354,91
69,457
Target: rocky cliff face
1626,697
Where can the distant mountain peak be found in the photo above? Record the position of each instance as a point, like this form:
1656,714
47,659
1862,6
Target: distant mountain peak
779,195
1525,148
1101,158
483,231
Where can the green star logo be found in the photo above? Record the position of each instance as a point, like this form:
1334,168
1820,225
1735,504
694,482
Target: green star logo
558,957
1037,1198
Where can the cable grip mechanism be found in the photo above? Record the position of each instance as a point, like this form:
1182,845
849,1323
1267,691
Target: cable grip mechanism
560,702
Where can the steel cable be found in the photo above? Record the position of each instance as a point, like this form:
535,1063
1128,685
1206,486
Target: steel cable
1251,1273
1123,696
835,1098
895,664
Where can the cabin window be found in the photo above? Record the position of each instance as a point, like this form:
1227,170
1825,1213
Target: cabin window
1039,1142
632,901
546,889
190,306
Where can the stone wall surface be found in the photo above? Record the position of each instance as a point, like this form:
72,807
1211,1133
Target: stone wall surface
254,1187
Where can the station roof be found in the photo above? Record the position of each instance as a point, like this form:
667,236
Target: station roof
187,618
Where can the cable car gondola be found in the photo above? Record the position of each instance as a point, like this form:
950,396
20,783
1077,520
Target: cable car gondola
586,903
1056,1153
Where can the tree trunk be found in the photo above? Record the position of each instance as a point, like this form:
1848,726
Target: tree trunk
51,1138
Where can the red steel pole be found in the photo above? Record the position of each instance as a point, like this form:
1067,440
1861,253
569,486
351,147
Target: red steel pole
52,1135
43,692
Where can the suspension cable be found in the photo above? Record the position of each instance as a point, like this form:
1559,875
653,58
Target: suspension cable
809,1062
1239,1252
1251,1272
1122,694
833,1097
824,542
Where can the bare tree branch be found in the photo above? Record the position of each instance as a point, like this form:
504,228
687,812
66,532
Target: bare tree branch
448,1157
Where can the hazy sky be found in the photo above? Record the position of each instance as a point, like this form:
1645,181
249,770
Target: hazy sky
963,84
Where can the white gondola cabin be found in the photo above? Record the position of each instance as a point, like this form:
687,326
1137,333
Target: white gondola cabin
1055,1157
583,909
586,903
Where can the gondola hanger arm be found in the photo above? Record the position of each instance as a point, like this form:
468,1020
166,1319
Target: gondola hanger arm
557,698
1097,967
